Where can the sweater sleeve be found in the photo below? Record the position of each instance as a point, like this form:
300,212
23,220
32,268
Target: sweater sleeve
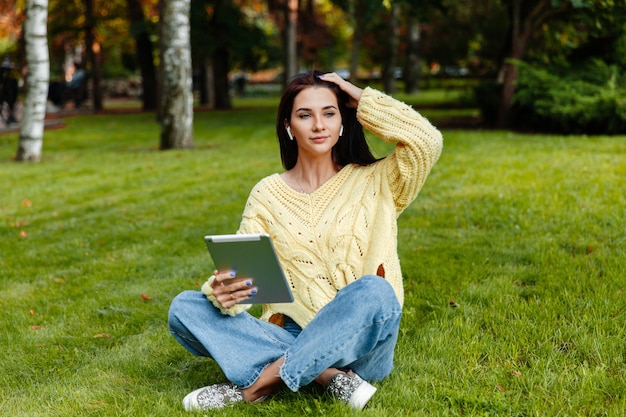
418,143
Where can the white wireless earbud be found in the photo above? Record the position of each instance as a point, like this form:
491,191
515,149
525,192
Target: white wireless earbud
341,131
289,132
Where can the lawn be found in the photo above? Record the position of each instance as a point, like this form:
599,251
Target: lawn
513,257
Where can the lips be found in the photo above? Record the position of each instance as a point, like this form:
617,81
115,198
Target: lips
319,138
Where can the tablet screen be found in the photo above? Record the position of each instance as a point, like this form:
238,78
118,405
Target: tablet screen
252,256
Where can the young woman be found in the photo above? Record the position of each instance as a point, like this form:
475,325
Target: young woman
332,218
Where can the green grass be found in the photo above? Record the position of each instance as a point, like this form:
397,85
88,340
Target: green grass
513,257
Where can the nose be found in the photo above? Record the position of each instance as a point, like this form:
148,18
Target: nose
318,124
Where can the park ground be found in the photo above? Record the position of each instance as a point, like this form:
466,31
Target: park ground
513,259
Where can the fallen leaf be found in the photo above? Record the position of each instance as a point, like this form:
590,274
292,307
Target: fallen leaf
23,234
501,388
26,203
35,327
453,304
145,297
516,373
103,335
32,312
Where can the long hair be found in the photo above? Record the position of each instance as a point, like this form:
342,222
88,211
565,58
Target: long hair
352,147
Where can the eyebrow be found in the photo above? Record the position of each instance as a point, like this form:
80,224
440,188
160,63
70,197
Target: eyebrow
323,108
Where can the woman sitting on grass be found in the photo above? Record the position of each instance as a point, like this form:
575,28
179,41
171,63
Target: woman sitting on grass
332,216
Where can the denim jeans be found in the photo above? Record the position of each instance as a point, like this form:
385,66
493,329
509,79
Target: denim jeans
358,330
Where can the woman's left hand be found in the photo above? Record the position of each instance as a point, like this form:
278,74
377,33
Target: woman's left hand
229,290
352,90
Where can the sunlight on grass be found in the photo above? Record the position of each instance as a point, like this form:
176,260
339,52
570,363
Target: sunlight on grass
512,255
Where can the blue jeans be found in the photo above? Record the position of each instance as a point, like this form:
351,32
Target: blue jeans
358,330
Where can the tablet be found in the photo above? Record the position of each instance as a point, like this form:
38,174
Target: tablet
252,256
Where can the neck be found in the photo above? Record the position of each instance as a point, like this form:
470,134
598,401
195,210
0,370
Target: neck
308,177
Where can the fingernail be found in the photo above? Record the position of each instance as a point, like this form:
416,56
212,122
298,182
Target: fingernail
233,273
253,291
248,283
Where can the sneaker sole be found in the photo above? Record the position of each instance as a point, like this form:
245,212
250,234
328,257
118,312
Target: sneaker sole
362,395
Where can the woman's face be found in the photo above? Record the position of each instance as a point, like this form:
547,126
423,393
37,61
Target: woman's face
315,121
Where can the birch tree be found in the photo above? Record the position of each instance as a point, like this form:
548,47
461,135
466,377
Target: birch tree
412,64
176,91
38,63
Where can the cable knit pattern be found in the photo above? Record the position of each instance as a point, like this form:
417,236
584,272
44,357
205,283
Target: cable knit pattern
347,228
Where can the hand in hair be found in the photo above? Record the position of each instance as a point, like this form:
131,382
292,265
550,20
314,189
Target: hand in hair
352,90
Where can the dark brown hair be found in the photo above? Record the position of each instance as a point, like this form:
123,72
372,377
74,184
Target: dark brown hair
352,147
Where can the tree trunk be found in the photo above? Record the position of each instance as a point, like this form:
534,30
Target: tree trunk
200,84
389,66
221,56
357,41
291,40
37,60
144,51
93,55
160,67
521,30
177,94
412,71
209,82
509,71
508,91
221,65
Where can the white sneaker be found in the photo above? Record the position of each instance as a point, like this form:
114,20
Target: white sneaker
214,397
351,389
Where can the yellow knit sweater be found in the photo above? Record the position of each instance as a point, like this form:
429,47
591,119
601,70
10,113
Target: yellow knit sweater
347,228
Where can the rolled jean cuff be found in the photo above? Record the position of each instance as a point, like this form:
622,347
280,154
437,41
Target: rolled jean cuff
207,290
290,383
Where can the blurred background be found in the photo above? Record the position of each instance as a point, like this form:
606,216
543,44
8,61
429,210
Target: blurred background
531,64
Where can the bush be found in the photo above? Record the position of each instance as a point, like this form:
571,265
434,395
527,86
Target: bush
589,99
487,97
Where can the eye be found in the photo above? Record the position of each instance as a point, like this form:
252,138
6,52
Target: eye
329,114
304,116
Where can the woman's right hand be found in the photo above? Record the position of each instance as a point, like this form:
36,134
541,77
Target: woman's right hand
230,290
352,90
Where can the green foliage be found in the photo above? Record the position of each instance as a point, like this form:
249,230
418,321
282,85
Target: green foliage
512,257
224,25
591,29
589,99
66,31
472,33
